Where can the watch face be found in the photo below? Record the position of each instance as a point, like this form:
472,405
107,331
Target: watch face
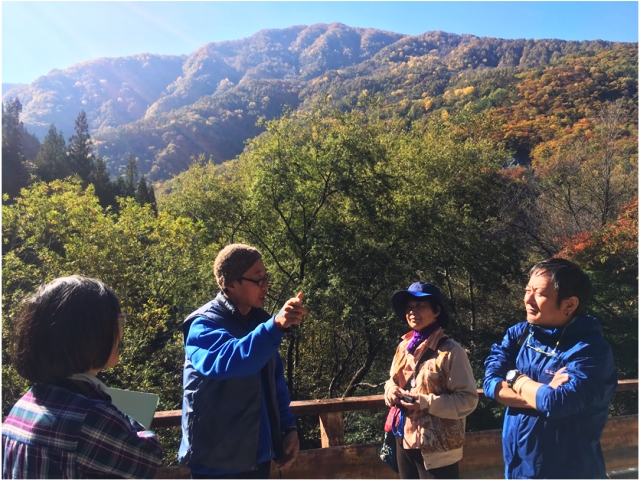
511,375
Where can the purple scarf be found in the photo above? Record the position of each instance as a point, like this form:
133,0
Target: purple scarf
420,336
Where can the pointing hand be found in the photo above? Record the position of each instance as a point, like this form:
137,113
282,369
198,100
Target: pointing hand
291,313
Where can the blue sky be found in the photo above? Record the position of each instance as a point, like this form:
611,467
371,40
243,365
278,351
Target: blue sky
40,36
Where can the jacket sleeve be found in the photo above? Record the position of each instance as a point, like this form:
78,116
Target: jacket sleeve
592,379
287,418
502,358
391,382
462,396
217,354
111,445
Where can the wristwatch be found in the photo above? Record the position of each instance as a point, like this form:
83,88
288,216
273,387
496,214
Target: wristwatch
512,376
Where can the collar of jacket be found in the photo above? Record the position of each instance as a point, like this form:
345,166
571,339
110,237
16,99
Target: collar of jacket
84,387
578,326
257,314
430,343
225,303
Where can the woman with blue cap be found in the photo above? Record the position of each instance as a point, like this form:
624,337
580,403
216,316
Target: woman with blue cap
431,389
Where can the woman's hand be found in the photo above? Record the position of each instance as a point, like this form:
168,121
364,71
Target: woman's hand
393,394
411,407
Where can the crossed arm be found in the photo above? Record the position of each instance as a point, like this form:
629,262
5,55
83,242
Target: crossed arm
501,359
523,394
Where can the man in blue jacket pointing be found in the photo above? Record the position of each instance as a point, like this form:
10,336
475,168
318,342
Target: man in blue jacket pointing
235,410
556,374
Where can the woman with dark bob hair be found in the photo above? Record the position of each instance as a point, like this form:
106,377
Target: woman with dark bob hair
431,389
65,426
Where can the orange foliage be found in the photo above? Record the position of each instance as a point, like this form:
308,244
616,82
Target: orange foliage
557,100
619,238
516,173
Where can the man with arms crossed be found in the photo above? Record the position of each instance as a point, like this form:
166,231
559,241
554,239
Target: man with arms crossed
556,374
235,411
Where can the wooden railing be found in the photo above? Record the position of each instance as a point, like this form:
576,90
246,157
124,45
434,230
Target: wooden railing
482,450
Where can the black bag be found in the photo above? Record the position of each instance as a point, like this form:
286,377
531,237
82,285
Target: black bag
388,451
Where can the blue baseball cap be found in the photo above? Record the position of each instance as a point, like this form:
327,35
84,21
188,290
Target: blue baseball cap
420,290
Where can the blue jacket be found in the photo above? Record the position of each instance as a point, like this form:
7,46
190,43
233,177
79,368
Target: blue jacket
235,403
561,437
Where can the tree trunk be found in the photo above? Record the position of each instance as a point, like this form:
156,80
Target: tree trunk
473,305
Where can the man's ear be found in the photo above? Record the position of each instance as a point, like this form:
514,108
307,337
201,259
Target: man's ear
231,287
569,305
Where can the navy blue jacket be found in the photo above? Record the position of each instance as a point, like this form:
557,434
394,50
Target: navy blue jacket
235,403
561,437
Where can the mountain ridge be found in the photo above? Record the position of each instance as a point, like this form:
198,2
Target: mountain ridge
165,109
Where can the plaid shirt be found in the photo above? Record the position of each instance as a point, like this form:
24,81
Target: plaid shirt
75,432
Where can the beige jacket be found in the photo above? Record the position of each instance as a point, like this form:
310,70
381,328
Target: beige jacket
447,392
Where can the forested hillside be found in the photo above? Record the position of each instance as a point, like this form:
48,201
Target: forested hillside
165,110
453,159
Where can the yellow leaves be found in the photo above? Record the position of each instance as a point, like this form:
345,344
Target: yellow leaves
462,92
404,103
428,102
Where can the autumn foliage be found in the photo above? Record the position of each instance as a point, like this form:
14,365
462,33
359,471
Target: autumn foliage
613,248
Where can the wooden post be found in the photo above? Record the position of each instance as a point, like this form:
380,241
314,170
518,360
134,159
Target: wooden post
331,429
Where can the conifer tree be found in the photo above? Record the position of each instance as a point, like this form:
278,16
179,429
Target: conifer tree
99,177
146,195
52,161
30,146
119,187
14,171
131,177
80,148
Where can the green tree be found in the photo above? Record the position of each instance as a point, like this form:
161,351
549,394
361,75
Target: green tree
15,174
350,207
158,266
99,177
80,149
90,168
129,185
211,194
317,186
52,161
131,177
145,194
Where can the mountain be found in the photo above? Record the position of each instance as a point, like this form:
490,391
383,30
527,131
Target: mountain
112,91
13,90
167,109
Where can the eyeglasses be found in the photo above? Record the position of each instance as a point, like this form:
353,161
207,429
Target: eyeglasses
259,282
540,351
122,318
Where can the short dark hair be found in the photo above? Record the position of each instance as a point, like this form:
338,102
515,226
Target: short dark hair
567,279
232,262
69,326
